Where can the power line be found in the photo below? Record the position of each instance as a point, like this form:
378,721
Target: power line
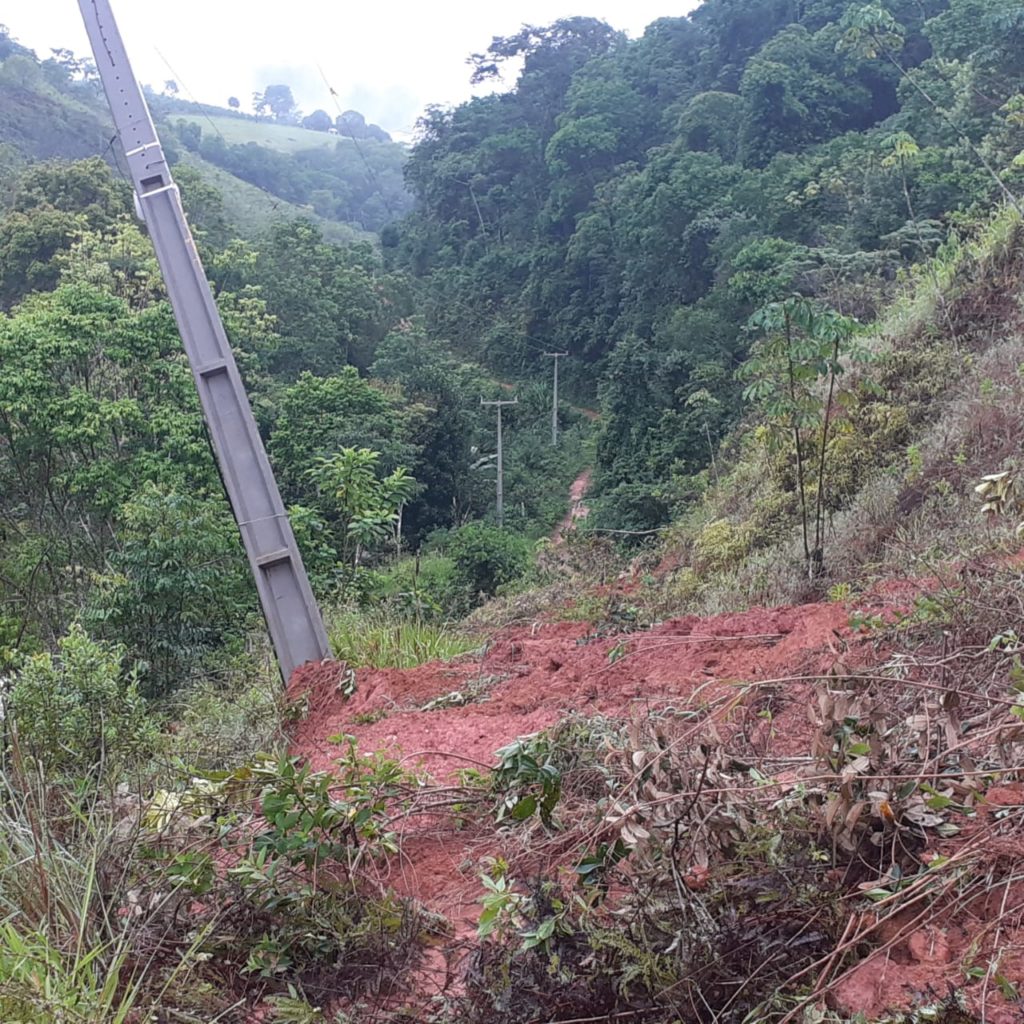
359,149
191,94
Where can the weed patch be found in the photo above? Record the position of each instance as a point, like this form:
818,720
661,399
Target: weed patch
381,639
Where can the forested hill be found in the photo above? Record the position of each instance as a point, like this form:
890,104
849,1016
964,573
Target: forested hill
343,173
632,202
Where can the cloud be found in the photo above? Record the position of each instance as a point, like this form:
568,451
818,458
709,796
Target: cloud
387,60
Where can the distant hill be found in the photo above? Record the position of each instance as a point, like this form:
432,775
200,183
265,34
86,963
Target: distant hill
357,182
40,118
54,109
283,138
252,211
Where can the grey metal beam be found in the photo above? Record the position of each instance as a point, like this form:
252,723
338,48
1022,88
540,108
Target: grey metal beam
293,619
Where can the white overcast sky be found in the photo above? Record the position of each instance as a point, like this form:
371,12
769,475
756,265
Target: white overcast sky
388,59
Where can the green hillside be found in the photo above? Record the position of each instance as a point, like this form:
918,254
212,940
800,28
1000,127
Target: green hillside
43,114
253,211
359,183
284,138
643,204
54,109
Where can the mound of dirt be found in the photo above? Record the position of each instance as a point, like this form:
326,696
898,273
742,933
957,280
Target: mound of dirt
444,718
528,680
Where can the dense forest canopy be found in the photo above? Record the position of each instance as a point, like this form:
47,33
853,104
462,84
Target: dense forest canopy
632,202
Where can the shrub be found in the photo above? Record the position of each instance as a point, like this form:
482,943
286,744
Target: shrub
772,515
225,723
485,558
526,780
78,712
630,506
179,589
420,585
684,585
291,909
720,545
319,556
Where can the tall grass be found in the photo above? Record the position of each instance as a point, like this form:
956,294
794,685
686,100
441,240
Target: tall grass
380,638
79,936
941,277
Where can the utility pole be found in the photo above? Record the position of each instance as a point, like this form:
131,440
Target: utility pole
293,619
501,463
554,404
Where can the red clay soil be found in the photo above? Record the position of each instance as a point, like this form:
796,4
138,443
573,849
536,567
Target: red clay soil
534,677
539,675
917,961
531,678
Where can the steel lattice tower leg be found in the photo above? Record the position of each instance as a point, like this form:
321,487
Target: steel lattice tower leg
293,619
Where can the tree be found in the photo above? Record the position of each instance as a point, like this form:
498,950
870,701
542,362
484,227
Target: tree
78,713
119,262
95,400
485,559
550,56
281,102
708,123
802,352
873,32
797,93
353,125
319,416
767,270
9,45
369,506
22,72
432,378
29,244
334,305
318,121
74,68
234,103
203,204
177,589
633,202
85,187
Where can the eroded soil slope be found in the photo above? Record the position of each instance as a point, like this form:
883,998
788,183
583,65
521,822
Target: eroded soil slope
444,718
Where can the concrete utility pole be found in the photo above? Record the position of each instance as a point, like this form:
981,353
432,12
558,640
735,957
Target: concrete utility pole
293,619
501,462
554,404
